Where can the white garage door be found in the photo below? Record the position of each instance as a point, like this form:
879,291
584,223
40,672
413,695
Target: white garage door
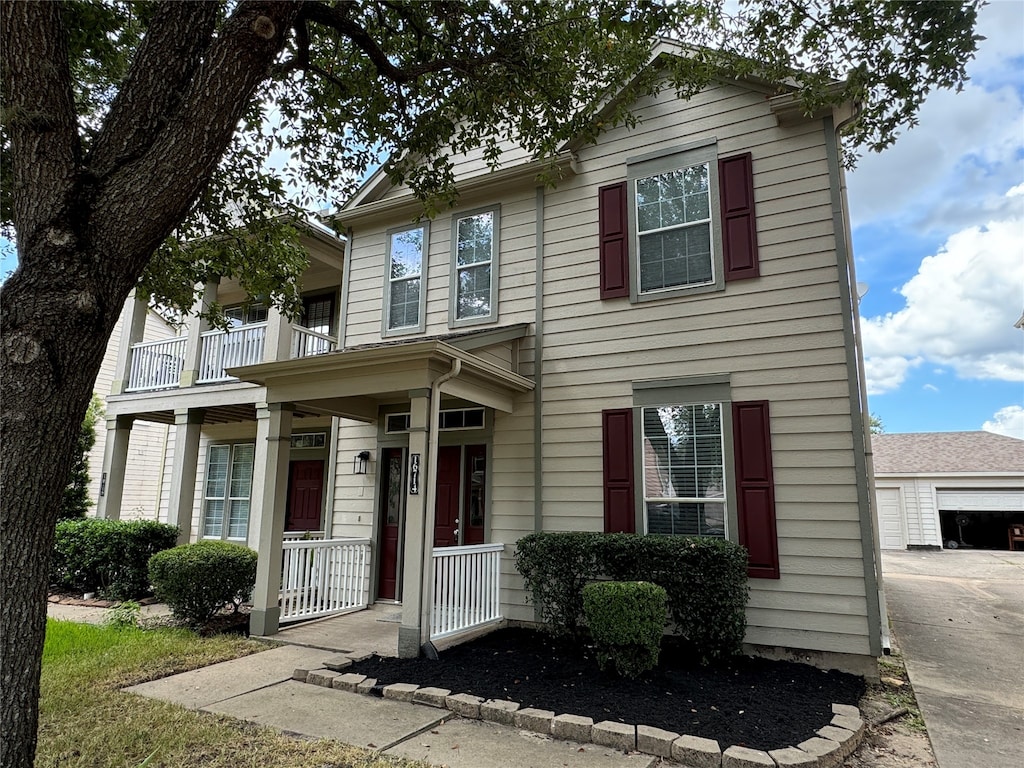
981,501
890,519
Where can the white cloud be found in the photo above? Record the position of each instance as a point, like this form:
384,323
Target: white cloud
959,310
952,169
930,387
1007,421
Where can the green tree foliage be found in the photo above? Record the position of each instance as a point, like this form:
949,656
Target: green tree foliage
75,503
876,425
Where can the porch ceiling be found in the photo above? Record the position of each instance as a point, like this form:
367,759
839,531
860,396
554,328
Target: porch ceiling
354,382
221,414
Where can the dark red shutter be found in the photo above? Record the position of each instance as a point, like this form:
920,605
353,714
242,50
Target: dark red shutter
739,226
755,487
614,240
619,502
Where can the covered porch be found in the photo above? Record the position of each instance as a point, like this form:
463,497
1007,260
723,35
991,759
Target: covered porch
445,590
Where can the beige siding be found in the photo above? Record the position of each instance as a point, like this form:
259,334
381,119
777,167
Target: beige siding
779,338
354,495
143,473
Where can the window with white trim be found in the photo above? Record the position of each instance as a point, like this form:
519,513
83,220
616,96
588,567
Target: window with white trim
684,470
673,222
404,295
474,267
228,487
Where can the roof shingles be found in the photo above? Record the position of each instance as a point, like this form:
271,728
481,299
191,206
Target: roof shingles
931,452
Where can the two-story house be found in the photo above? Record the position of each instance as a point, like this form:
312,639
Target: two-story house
664,342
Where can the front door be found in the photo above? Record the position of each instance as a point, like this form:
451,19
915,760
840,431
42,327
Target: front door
446,521
305,495
392,494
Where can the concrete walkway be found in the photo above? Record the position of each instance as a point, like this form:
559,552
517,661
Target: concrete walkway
958,617
259,688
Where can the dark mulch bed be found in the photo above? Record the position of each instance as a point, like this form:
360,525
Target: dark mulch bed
751,702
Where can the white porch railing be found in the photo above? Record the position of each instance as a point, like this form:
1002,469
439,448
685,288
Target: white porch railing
324,577
303,535
307,343
156,364
227,349
465,588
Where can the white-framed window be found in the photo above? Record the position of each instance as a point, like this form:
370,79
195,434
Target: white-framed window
474,270
404,294
674,223
684,469
449,420
309,440
242,314
228,487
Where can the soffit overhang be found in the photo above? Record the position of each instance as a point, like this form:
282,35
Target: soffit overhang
354,383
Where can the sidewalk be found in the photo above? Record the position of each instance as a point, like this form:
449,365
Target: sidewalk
259,688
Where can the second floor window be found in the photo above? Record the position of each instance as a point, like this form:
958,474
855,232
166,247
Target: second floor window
474,267
673,220
404,298
241,314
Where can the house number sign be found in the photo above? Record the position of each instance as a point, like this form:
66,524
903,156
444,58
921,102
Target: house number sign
414,474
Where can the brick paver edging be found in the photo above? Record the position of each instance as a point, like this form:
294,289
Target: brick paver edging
829,747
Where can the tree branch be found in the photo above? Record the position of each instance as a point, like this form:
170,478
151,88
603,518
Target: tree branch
156,191
172,48
39,116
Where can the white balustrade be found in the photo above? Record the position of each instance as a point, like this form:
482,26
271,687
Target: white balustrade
303,535
465,588
307,343
228,349
156,364
324,577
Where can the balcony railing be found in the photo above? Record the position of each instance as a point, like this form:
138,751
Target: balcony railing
466,588
156,364
307,343
159,364
229,349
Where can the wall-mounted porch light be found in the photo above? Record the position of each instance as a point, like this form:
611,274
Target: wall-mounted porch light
360,462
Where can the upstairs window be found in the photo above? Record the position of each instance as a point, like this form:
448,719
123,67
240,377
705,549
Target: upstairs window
474,267
240,315
673,221
404,295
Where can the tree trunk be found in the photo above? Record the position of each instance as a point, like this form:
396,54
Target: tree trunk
84,236
47,379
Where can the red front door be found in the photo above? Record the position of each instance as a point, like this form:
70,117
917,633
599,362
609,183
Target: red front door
446,521
305,495
474,494
392,494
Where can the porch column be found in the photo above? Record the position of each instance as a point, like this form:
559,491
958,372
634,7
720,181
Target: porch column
115,458
196,326
269,496
188,424
278,344
133,330
413,605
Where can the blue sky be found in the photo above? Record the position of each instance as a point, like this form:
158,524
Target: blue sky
938,232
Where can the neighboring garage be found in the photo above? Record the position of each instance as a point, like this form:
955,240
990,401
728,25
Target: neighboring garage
948,489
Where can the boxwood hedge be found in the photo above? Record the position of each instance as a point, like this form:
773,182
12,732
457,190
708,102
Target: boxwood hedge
705,579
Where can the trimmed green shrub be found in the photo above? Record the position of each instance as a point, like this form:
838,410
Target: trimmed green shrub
198,580
555,568
626,621
109,557
705,579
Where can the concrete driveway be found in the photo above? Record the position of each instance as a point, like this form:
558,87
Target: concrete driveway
958,618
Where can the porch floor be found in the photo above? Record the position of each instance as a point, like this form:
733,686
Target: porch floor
372,630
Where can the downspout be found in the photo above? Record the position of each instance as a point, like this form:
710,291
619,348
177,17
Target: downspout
430,513
855,358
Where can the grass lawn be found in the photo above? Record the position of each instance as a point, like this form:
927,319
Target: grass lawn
85,720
